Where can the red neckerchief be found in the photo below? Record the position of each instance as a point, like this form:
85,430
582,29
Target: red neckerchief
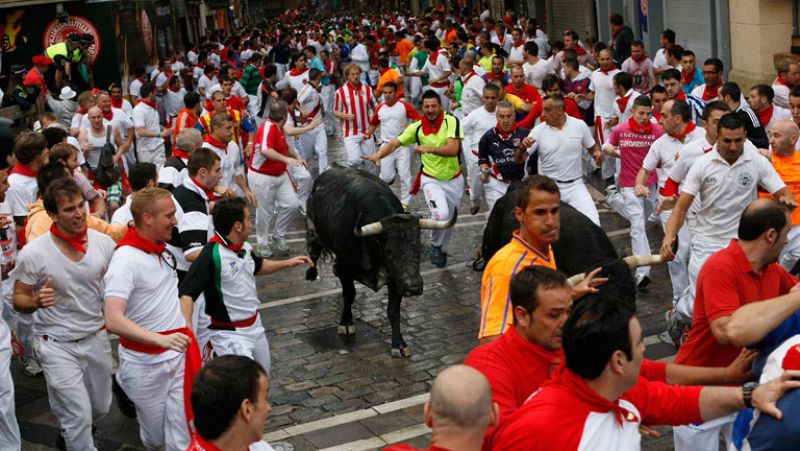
622,102
116,103
236,248
579,50
76,242
710,94
173,89
615,29
781,81
108,116
295,72
501,39
681,95
503,134
765,115
606,71
210,194
680,136
599,404
687,77
657,115
180,154
82,111
429,128
640,129
470,75
200,444
133,239
434,56
644,57
148,103
210,139
23,169
383,71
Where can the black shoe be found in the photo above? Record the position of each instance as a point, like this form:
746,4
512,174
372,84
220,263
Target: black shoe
644,283
475,209
60,442
124,403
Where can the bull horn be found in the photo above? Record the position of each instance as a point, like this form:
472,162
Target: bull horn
373,228
635,261
576,279
438,225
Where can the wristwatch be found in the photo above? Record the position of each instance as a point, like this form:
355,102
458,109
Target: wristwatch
747,393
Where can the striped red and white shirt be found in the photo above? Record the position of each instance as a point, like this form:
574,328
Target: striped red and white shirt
359,102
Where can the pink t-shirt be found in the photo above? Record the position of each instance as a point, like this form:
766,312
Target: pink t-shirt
633,148
642,72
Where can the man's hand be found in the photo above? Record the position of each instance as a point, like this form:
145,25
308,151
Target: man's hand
588,285
527,142
299,260
641,191
788,201
373,158
741,369
666,249
766,395
174,342
251,198
224,191
366,136
47,295
648,431
666,203
315,122
294,162
598,156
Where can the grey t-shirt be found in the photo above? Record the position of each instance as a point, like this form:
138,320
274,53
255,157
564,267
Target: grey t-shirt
78,310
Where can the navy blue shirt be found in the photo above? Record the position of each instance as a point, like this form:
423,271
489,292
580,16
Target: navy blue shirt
499,153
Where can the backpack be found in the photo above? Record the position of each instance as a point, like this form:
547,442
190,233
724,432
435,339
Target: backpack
107,172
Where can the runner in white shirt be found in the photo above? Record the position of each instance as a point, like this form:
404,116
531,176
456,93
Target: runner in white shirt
158,353
678,131
560,142
298,76
475,125
761,102
535,68
602,92
393,116
173,99
31,153
9,428
501,37
472,92
515,54
141,176
360,56
207,80
660,60
149,132
57,281
625,96
437,68
137,82
788,76
118,101
726,181
353,106
221,142
314,141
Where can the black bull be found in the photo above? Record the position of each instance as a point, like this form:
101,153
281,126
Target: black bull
355,218
582,246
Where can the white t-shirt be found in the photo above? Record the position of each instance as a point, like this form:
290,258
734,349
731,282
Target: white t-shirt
778,114
150,285
472,93
310,100
660,60
663,153
230,162
535,73
204,83
191,57
147,117
561,150
394,119
623,116
22,190
136,87
725,190
78,311
603,87
173,101
437,70
123,214
516,54
475,125
297,80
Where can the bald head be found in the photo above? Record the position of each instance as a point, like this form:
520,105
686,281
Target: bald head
761,216
783,137
461,398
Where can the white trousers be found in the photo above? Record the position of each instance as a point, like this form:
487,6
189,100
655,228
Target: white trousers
398,162
701,250
495,189
476,188
636,210
704,436
357,147
578,197
157,391
9,428
78,376
253,105
315,142
276,198
791,252
200,323
156,156
442,197
302,181
679,266
249,342
328,94
20,323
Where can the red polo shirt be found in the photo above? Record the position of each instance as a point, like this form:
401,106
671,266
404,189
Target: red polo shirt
727,282
527,93
516,368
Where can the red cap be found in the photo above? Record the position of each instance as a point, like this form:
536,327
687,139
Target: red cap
41,60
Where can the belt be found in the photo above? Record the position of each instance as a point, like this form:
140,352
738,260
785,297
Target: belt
568,181
440,84
49,338
247,322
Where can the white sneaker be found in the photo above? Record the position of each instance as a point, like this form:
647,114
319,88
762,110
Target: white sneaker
31,366
280,245
265,251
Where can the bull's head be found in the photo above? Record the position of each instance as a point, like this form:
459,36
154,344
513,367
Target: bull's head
400,244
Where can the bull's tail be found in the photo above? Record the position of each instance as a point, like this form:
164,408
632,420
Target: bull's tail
314,248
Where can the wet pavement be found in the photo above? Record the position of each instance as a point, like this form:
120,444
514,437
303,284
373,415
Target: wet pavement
327,392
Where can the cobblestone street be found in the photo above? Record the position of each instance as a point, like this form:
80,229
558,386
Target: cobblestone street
327,392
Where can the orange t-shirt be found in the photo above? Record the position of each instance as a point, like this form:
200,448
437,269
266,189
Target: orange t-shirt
403,48
789,170
391,74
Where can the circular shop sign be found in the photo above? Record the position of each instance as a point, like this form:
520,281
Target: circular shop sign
56,32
